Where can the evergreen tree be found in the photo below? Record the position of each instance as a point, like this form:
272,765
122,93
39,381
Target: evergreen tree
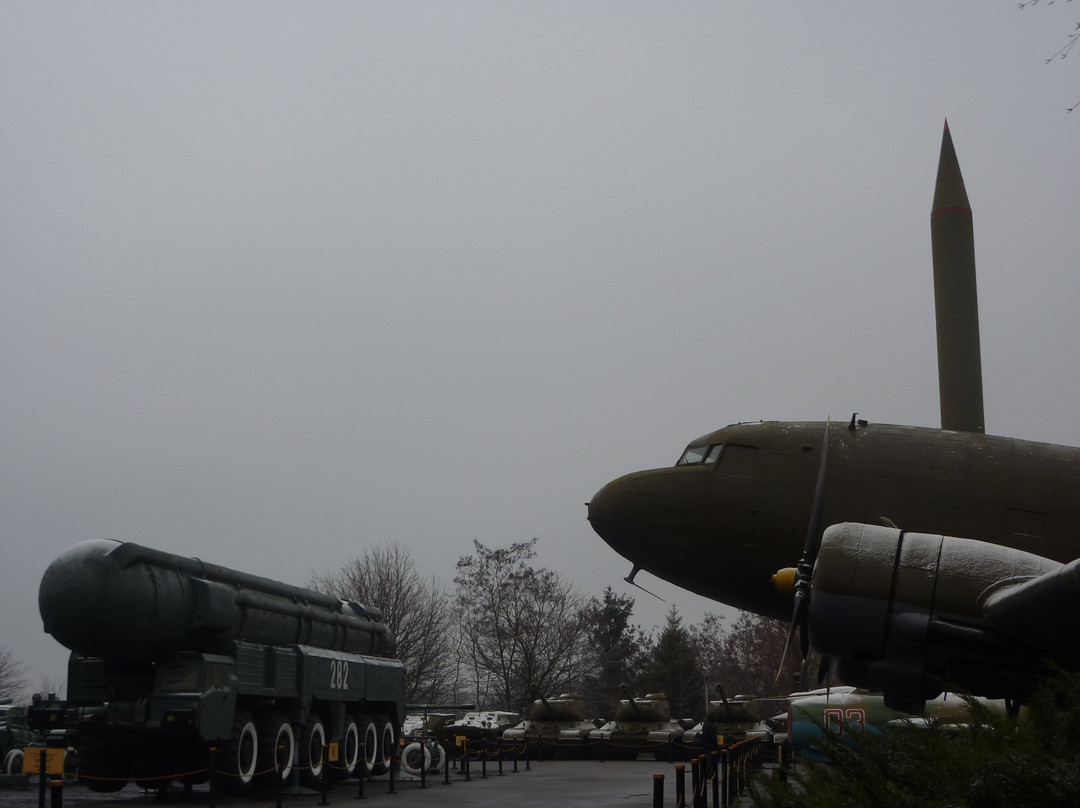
616,650
675,669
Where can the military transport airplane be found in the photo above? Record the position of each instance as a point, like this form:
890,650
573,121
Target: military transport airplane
898,603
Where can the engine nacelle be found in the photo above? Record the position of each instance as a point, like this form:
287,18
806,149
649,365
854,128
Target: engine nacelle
909,614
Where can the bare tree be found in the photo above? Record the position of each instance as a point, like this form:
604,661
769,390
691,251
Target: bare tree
12,676
1070,41
524,631
416,608
746,657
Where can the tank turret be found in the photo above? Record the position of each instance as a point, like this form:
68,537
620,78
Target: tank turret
640,725
558,724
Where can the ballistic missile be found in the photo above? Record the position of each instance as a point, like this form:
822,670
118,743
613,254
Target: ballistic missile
955,299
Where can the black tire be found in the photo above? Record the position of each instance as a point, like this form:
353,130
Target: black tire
13,761
102,767
415,758
312,744
275,764
387,744
349,762
370,738
239,761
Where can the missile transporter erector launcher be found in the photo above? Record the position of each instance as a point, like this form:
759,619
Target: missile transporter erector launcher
172,656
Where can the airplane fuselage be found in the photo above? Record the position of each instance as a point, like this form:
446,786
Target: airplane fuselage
735,508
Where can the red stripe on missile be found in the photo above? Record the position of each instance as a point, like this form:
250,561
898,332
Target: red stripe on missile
951,210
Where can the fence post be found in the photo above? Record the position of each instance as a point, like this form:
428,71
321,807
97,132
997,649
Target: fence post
680,785
213,776
322,775
714,763
658,791
725,769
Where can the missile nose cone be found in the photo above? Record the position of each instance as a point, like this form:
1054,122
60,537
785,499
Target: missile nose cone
950,195
88,604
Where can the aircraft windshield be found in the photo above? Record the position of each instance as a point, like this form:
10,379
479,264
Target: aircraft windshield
700,455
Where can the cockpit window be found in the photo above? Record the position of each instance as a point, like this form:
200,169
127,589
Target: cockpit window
699,455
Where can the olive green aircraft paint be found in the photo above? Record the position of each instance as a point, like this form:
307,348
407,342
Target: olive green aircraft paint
721,528
736,508
955,297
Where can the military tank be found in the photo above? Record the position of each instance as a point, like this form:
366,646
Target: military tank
172,657
479,731
640,725
735,720
555,727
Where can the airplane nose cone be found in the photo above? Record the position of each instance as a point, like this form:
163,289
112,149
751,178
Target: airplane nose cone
625,514
607,512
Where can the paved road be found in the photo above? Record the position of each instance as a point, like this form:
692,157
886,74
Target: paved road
568,784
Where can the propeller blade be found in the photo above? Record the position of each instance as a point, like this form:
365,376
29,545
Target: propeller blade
823,670
804,571
813,529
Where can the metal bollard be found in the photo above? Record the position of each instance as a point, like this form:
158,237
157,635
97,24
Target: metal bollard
500,756
714,763
322,776
725,770
446,768
695,779
57,794
483,760
680,785
394,771
658,791
361,775
42,780
213,776
279,780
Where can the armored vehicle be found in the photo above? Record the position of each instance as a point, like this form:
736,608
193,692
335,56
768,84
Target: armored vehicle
640,725
173,657
557,725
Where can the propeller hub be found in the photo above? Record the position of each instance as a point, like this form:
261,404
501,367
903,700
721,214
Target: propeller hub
784,580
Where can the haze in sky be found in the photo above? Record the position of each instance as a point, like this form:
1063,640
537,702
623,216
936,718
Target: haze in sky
284,280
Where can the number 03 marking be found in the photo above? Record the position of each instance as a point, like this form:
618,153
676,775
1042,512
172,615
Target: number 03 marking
339,674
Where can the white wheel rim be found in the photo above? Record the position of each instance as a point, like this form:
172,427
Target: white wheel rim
285,730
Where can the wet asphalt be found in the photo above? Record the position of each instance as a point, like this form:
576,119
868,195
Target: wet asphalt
588,784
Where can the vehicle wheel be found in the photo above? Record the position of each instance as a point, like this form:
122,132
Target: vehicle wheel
71,766
312,742
240,756
13,761
277,748
350,749
371,742
102,768
414,758
438,759
387,744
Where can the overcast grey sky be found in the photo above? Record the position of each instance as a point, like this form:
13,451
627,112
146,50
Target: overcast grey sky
282,280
